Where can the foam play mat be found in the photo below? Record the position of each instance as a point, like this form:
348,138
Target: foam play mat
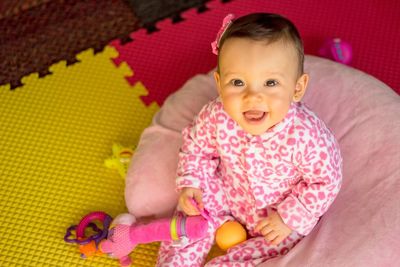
56,133
78,76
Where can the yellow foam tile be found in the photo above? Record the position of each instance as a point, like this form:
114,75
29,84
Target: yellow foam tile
55,133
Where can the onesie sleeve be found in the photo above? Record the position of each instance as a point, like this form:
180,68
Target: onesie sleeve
198,158
320,164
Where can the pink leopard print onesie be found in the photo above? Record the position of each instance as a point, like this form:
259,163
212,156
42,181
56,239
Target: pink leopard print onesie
294,168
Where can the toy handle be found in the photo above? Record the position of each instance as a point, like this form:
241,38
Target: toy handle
96,215
160,230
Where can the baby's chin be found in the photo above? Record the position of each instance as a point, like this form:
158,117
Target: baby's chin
255,128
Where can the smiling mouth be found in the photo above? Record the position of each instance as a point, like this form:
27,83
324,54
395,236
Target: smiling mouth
254,116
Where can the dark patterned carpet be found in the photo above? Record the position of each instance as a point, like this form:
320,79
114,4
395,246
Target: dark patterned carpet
38,33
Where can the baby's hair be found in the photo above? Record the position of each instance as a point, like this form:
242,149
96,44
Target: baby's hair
268,27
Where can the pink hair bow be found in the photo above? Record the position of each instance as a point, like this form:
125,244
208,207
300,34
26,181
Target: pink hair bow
225,24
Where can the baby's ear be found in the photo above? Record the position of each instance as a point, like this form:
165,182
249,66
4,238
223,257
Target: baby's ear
217,79
301,87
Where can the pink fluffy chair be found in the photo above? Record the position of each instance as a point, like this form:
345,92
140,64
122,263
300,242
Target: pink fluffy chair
362,226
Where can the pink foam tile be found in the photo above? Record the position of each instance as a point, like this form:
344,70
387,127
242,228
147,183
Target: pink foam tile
164,60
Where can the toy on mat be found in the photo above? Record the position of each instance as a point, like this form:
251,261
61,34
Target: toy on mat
88,246
121,238
120,159
337,49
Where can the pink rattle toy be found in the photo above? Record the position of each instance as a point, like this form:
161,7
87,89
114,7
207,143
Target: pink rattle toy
119,239
337,49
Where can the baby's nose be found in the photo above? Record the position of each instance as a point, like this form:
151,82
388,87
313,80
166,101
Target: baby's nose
253,93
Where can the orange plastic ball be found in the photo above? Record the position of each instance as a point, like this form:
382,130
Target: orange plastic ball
230,234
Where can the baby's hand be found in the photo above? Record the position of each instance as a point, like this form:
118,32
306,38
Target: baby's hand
185,204
273,228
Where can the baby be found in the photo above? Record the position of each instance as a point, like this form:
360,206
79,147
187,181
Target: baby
256,154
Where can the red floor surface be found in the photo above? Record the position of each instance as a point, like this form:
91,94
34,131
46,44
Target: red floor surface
164,60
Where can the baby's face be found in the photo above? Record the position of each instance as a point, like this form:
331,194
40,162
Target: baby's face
258,81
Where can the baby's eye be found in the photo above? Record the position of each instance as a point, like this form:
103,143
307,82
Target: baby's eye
271,83
237,82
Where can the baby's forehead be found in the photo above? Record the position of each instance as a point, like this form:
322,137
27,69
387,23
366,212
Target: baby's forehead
256,50
238,54
246,46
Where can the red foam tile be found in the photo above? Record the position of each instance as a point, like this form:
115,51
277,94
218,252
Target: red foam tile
164,60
